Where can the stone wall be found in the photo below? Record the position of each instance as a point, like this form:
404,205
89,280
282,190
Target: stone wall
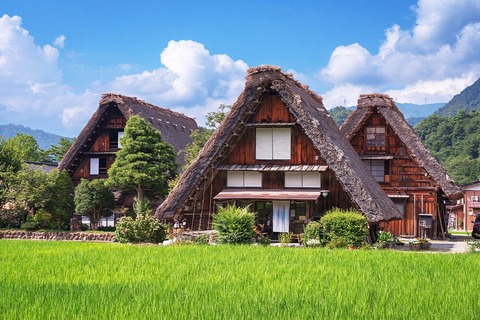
56,235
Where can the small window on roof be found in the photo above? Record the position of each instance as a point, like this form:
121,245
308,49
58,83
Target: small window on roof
375,136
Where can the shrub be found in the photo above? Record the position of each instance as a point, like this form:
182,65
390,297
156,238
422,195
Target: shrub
351,225
285,237
30,225
84,227
202,239
43,219
264,241
474,246
107,228
234,225
384,239
142,229
337,243
313,231
312,243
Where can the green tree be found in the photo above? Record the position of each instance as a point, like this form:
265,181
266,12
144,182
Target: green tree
214,118
94,200
27,146
62,205
144,163
56,152
10,158
340,114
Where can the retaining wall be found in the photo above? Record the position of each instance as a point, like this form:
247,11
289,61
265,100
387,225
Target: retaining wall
57,236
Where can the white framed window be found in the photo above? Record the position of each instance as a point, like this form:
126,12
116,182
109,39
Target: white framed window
376,168
241,179
94,166
273,144
120,135
302,180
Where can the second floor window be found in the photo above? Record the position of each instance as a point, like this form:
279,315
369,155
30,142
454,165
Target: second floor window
273,144
375,136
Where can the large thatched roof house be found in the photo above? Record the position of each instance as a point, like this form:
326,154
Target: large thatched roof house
93,152
401,164
279,151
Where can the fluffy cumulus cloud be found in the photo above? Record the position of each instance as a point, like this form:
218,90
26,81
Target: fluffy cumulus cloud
191,78
434,60
30,80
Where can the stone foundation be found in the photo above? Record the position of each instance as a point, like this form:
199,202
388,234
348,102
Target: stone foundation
56,236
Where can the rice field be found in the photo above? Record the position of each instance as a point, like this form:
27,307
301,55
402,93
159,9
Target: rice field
68,280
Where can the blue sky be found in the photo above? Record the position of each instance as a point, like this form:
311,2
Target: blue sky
56,58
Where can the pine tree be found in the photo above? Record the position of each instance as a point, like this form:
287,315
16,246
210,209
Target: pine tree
144,163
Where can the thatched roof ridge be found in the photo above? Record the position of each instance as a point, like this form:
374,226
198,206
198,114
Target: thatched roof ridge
175,127
308,109
385,105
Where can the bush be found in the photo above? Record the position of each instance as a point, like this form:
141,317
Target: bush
312,243
30,225
84,226
142,229
43,219
264,241
202,239
337,243
285,237
234,225
313,231
351,225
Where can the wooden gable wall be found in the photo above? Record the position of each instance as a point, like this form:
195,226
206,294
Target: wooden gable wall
98,144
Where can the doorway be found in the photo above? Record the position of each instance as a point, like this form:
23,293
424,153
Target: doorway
281,216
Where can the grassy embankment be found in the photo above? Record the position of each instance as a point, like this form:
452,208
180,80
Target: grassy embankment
67,280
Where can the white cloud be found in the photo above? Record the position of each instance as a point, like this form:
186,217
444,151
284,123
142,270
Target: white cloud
191,78
441,49
60,41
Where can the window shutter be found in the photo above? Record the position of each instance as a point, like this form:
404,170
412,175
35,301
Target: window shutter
311,180
293,179
252,179
282,143
263,144
234,179
94,165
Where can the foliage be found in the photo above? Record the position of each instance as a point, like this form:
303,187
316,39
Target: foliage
142,207
40,279
468,99
385,237
474,246
313,231
142,229
340,114
30,225
312,243
214,118
202,239
144,163
234,225
455,143
106,228
10,159
62,205
285,237
56,152
349,224
264,240
44,139
337,243
43,219
94,200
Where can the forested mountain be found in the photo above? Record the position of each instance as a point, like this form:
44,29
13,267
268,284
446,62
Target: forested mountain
44,139
468,100
455,142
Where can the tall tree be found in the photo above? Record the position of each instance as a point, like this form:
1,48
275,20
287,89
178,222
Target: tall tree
56,152
94,200
144,163
62,206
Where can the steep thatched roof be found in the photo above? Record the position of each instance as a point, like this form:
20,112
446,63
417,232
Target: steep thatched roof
368,103
175,127
308,109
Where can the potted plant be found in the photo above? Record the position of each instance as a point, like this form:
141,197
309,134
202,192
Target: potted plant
424,244
414,244
384,239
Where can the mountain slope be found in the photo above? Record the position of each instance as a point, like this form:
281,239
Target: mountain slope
468,100
44,139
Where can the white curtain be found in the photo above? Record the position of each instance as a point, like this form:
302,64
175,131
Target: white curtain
281,216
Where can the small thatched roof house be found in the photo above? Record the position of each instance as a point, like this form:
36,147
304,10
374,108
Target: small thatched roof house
401,164
314,148
93,152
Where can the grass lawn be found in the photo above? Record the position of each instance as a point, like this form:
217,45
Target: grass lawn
69,280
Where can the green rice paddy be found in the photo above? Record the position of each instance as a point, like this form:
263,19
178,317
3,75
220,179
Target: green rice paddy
68,280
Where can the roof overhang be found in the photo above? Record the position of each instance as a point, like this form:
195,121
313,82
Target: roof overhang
285,194
270,167
375,157
398,196
473,204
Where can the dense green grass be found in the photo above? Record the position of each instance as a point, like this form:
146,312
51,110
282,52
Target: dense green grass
67,280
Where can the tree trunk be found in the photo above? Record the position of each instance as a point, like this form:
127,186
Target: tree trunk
140,193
